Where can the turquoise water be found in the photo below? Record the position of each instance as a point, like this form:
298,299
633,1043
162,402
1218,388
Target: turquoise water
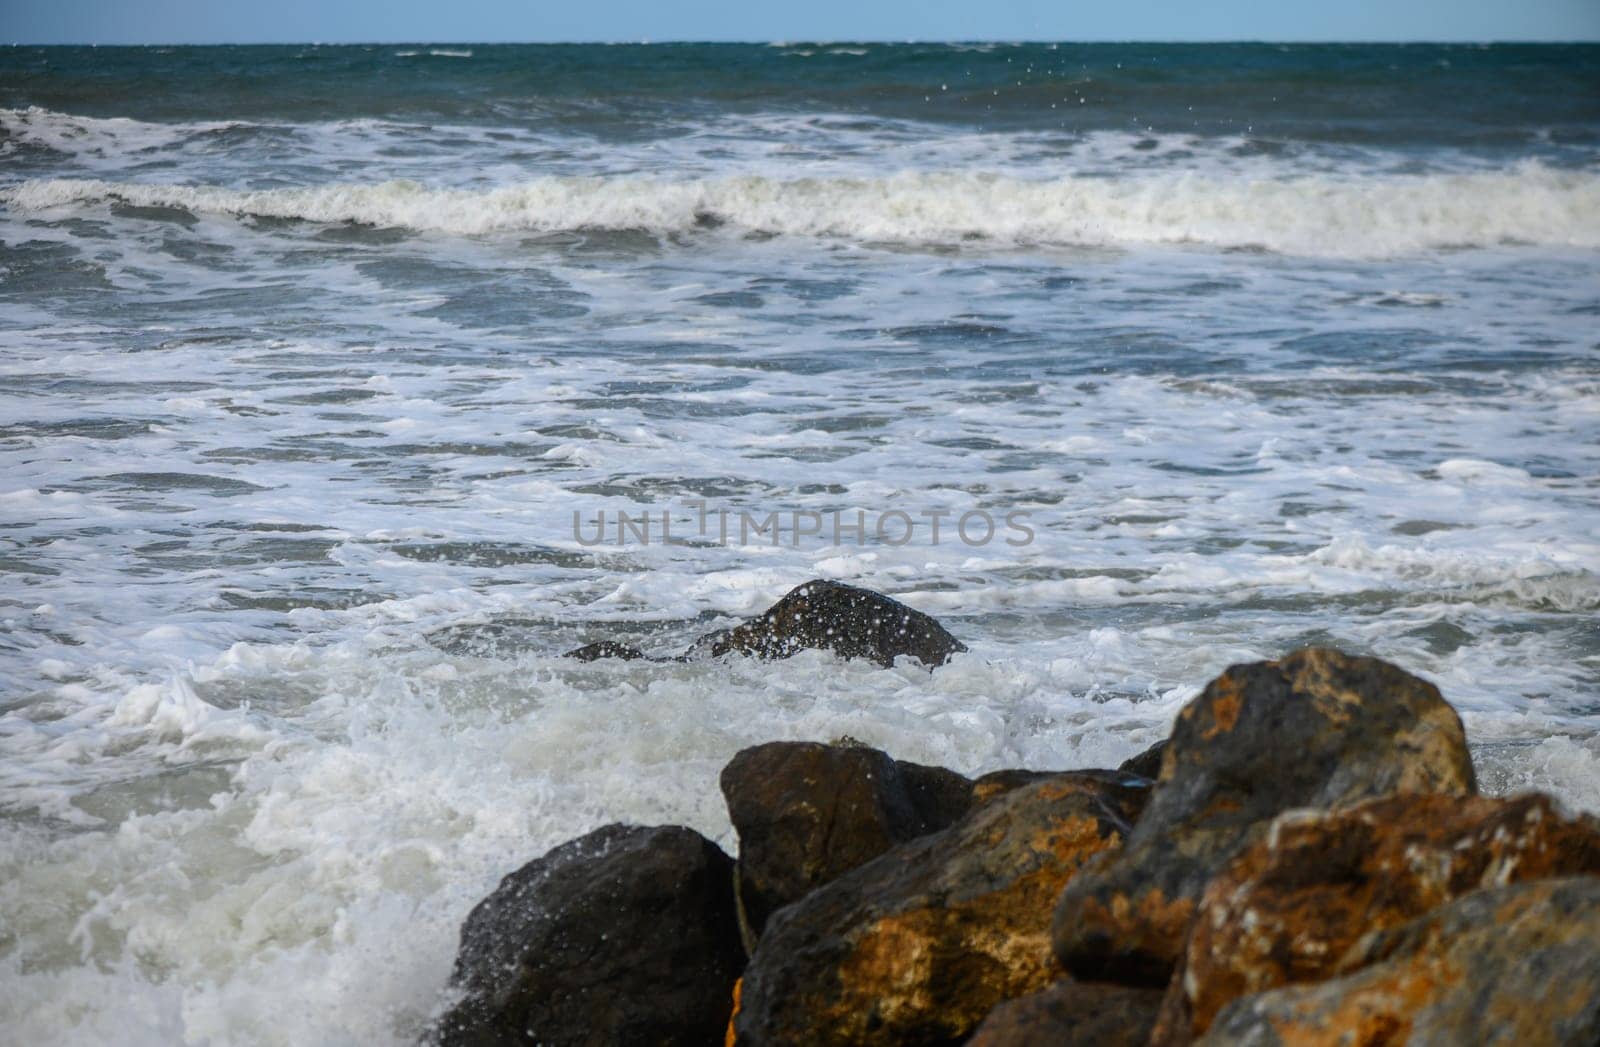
309,355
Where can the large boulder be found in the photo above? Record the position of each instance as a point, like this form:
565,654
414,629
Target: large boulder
626,935
919,944
1072,1014
832,616
1291,906
1517,966
1316,729
806,813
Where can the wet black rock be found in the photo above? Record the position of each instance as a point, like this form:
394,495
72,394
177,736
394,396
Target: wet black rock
832,616
593,652
625,936
807,813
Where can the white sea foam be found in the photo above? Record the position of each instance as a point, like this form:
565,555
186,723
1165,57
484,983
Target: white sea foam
1360,217
96,136
269,741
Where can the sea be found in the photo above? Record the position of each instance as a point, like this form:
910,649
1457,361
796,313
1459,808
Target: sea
344,388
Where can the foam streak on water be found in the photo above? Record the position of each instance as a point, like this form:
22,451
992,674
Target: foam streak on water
299,392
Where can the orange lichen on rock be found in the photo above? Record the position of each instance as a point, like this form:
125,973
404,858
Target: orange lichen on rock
1521,963
733,1016
920,944
1287,909
1316,729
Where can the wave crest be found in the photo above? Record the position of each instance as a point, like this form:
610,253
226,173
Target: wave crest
1361,217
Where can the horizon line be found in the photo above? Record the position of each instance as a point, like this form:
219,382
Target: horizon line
1012,42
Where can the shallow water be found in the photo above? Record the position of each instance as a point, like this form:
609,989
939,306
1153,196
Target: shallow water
305,376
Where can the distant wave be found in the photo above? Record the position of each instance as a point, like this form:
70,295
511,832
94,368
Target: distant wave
1349,217
95,136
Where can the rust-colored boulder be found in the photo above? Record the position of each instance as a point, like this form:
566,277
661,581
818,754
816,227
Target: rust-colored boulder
1072,1014
1316,729
832,616
626,935
1517,966
1288,908
919,944
806,813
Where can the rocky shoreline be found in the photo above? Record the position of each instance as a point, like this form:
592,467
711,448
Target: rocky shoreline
1305,860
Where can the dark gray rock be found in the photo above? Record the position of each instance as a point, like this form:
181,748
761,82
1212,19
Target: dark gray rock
807,813
1072,1014
1146,764
832,616
624,936
593,652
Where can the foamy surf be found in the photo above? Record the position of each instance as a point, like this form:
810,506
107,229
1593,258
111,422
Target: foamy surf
1358,217
289,555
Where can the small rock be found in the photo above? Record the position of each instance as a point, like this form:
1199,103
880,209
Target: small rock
1518,966
593,652
832,616
1316,729
919,944
626,935
1072,1014
1146,764
1289,907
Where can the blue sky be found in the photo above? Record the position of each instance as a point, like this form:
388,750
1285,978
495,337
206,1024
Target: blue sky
334,21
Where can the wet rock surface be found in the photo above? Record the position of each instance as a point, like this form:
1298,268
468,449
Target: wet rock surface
1290,907
1311,864
1072,1014
918,945
593,652
1516,965
832,616
807,813
626,935
1316,729
819,615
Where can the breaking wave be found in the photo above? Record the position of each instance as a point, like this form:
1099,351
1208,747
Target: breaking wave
1368,216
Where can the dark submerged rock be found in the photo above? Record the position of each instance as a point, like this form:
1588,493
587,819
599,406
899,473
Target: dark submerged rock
919,944
1072,1014
832,616
593,652
624,936
1316,729
1288,908
1516,965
